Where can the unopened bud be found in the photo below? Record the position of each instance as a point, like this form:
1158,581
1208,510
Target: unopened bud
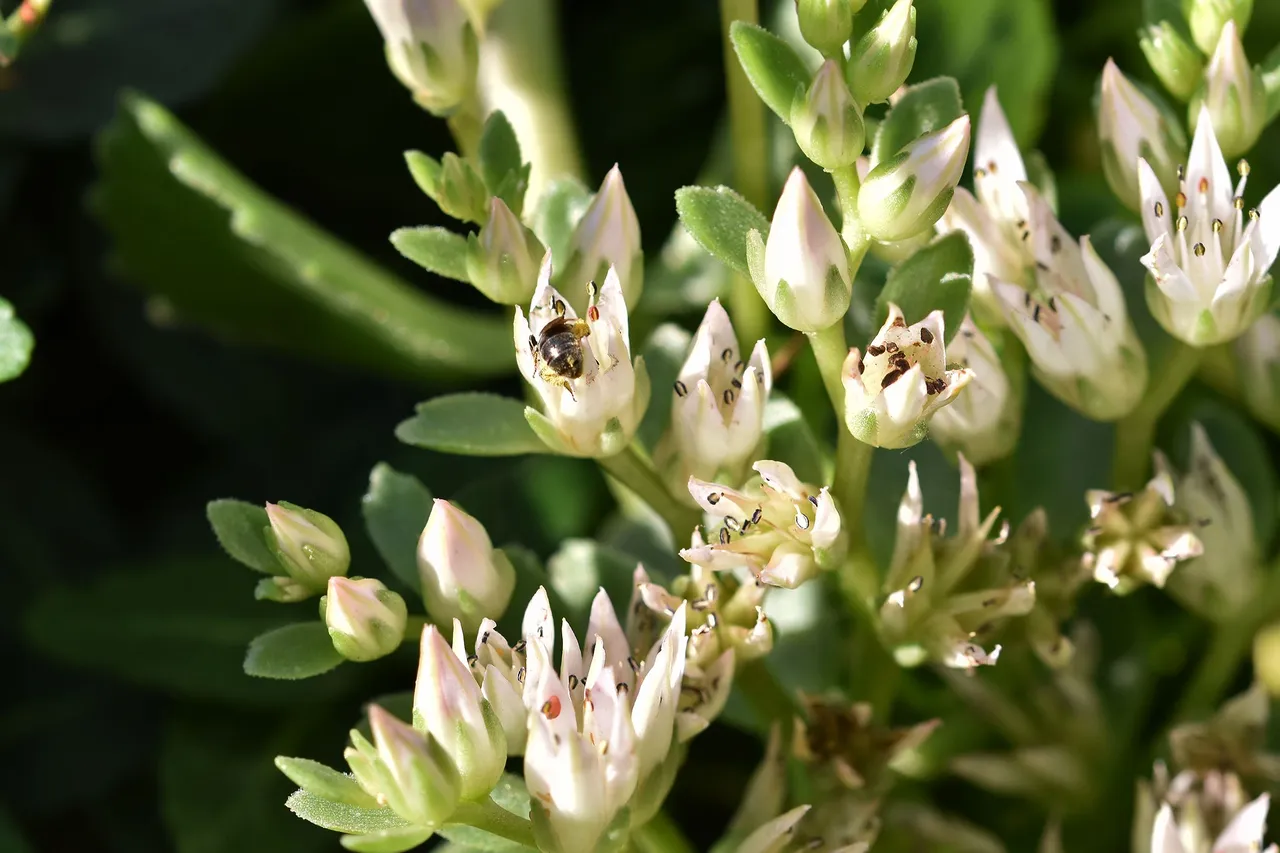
1131,126
463,576
608,235
365,619
1234,94
910,191
1209,17
1174,59
502,262
452,184
407,771
881,60
431,47
309,545
827,24
1257,353
827,123
802,270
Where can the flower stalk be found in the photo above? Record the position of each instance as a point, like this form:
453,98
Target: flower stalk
1136,432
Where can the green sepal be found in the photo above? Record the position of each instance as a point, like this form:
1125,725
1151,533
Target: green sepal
435,249
388,840
323,781
922,108
282,589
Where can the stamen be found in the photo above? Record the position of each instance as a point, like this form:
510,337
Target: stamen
917,584
891,347
593,314
728,396
1217,226
813,500
1198,248
727,354
926,336
736,383
558,307
1180,224
802,520
1204,185
681,388
1055,244
1242,168
890,377
874,350
724,536
713,498
755,516
1159,208
1180,199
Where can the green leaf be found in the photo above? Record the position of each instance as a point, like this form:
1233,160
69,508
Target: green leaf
471,424
435,249
922,108
559,209
664,354
581,568
775,70
242,264
388,840
790,440
241,529
324,781
301,650
16,343
396,508
341,817
937,277
11,838
501,165
719,220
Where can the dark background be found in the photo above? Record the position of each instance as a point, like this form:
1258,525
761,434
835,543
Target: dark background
124,723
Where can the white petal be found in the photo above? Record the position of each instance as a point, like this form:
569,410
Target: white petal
1206,163
906,397
1244,833
780,477
995,149
613,309
1169,277
1268,231
1153,199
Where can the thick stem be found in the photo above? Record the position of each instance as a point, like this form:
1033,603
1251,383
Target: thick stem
1136,431
749,148
660,835
634,471
855,238
830,348
492,818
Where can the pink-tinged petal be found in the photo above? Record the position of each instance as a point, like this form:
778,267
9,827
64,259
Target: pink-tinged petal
1168,276
721,501
1267,231
779,477
538,623
905,398
613,309
760,361
995,142
603,625
790,565
1208,180
717,559
524,353
1239,275
1108,295
1244,832
1157,215
826,521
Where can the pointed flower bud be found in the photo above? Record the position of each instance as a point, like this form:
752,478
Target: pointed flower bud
1073,322
781,529
463,576
827,24
607,236
1208,18
1257,354
1174,60
881,60
1132,127
431,47
1234,95
892,392
592,395
826,122
717,413
452,183
503,261
408,772
308,544
1137,537
1209,259
449,707
365,619
983,423
906,194
802,270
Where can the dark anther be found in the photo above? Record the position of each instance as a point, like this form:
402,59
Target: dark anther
728,396
681,388
813,500
713,498
724,536
727,354
874,350
1055,244
917,584
890,378
755,516
926,336
736,383
891,347
593,314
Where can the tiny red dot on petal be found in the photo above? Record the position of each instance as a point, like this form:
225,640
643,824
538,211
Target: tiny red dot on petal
551,708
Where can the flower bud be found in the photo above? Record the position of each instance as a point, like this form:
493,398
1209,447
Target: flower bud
608,235
909,192
1234,95
478,11
410,773
365,619
503,261
463,576
881,60
1208,18
827,24
448,706
1174,60
1131,126
826,121
452,184
893,391
1257,354
982,423
431,47
802,270
308,544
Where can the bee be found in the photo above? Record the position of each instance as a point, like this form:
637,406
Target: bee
557,350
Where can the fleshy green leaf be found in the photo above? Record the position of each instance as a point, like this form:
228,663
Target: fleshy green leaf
471,424
341,817
581,568
790,440
324,781
719,220
388,840
239,262
396,508
775,70
664,353
922,108
301,650
16,343
241,530
501,164
938,277
559,209
435,249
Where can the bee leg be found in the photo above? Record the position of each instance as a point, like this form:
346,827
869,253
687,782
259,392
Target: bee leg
581,328
533,349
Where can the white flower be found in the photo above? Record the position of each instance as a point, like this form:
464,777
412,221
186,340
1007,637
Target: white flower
365,619
608,236
309,545
983,422
431,47
827,123
596,412
502,262
1130,127
1073,323
1243,834
893,391
1209,261
463,576
908,193
725,613
1234,94
717,414
1257,354
880,61
781,529
802,269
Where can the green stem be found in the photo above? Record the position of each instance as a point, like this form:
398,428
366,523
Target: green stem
20,26
413,628
749,148
766,695
634,471
466,125
495,820
830,348
1136,431
855,238
660,835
